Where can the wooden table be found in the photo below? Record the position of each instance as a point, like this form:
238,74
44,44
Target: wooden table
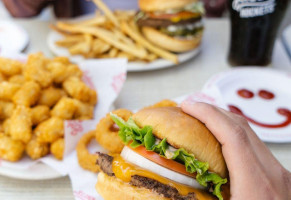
145,88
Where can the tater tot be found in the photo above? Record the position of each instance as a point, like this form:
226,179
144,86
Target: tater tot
74,70
18,79
39,114
35,149
79,90
11,150
20,125
83,110
61,59
57,148
2,77
65,108
50,96
10,67
6,126
27,95
50,130
61,71
1,128
6,109
35,70
7,90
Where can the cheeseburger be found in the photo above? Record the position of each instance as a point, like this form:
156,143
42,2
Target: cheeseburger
169,155
174,25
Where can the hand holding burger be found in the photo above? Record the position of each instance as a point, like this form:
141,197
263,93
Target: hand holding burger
254,172
169,155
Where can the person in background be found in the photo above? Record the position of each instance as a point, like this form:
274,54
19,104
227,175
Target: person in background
72,8
215,8
62,8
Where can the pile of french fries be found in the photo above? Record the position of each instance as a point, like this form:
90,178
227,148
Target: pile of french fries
112,35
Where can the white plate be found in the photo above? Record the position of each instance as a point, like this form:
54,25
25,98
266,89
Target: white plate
13,38
262,113
39,171
54,36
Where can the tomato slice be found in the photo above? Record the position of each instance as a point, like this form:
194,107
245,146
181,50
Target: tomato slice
175,16
167,163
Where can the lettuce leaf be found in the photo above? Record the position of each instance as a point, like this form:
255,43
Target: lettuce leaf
130,132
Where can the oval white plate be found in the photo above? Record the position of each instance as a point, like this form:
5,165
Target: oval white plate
54,36
39,171
225,85
13,38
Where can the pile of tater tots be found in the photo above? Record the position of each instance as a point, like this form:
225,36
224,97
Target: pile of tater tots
35,99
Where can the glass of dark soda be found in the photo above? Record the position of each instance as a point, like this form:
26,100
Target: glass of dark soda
254,27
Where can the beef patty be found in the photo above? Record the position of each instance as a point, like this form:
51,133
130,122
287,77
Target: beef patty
158,23
105,163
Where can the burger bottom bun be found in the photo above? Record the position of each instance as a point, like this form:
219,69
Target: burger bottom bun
170,43
111,188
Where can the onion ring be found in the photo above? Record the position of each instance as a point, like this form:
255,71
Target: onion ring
107,131
87,160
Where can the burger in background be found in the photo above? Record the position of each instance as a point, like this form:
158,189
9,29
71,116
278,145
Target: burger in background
175,25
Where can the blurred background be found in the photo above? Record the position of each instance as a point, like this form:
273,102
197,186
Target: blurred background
214,8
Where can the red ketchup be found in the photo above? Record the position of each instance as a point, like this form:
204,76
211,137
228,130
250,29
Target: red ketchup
266,94
282,111
244,93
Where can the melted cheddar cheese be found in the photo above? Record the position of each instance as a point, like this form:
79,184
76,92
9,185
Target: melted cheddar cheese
124,171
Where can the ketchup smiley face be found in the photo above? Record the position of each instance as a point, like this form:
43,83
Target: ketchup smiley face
267,96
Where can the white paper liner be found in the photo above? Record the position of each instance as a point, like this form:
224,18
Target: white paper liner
107,76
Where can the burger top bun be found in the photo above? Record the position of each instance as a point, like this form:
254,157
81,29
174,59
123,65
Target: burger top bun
171,43
184,131
162,5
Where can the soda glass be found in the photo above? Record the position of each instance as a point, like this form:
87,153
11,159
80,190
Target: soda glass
254,27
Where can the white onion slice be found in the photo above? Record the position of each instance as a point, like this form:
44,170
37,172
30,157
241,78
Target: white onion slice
144,163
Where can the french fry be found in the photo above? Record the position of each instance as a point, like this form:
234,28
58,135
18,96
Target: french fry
107,12
123,37
113,52
99,47
97,20
89,39
107,36
151,57
130,30
124,14
69,41
80,48
125,55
